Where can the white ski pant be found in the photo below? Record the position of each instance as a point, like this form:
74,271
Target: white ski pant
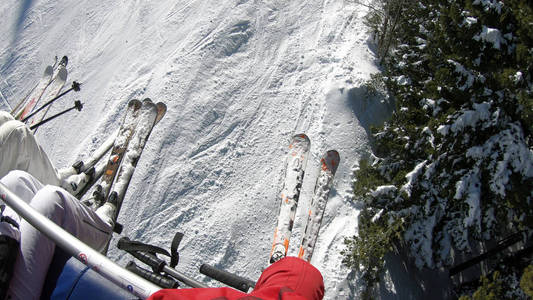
19,151
36,250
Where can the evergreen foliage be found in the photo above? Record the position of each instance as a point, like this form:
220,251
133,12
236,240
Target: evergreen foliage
507,283
454,164
526,283
489,290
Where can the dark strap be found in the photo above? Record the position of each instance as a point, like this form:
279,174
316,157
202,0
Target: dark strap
128,245
135,246
10,221
174,254
7,219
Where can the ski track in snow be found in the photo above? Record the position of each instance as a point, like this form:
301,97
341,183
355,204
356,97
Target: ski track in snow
239,79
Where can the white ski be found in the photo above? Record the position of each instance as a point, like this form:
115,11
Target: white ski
328,167
294,174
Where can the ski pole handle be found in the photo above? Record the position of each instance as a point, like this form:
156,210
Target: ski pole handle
233,280
160,265
157,279
153,261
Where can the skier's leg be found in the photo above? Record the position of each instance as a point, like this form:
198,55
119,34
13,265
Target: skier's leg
36,251
24,186
296,274
20,151
9,227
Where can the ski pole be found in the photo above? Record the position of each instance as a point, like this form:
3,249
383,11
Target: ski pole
159,265
233,280
165,282
75,87
77,105
503,244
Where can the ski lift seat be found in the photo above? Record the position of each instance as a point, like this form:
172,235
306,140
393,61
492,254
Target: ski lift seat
68,278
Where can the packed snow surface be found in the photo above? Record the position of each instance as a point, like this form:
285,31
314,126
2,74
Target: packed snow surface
240,78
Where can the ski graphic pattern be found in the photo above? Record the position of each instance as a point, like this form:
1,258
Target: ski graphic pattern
58,82
294,174
328,166
119,147
150,115
109,142
24,108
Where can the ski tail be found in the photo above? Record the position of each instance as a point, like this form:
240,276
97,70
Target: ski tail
294,174
328,166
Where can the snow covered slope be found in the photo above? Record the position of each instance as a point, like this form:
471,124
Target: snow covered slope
239,78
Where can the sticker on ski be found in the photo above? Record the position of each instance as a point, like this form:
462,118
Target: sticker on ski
121,142
328,166
150,113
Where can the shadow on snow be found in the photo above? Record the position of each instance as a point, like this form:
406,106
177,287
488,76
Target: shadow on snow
23,10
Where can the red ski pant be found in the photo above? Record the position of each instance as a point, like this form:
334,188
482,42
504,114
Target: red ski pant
289,278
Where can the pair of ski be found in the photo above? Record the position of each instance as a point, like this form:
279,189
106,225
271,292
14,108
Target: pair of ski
49,87
126,147
290,194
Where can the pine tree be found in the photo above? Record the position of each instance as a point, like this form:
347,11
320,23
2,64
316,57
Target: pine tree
454,164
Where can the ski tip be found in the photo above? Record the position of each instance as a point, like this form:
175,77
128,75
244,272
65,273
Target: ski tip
331,161
301,136
64,61
301,139
161,111
147,101
62,74
135,103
